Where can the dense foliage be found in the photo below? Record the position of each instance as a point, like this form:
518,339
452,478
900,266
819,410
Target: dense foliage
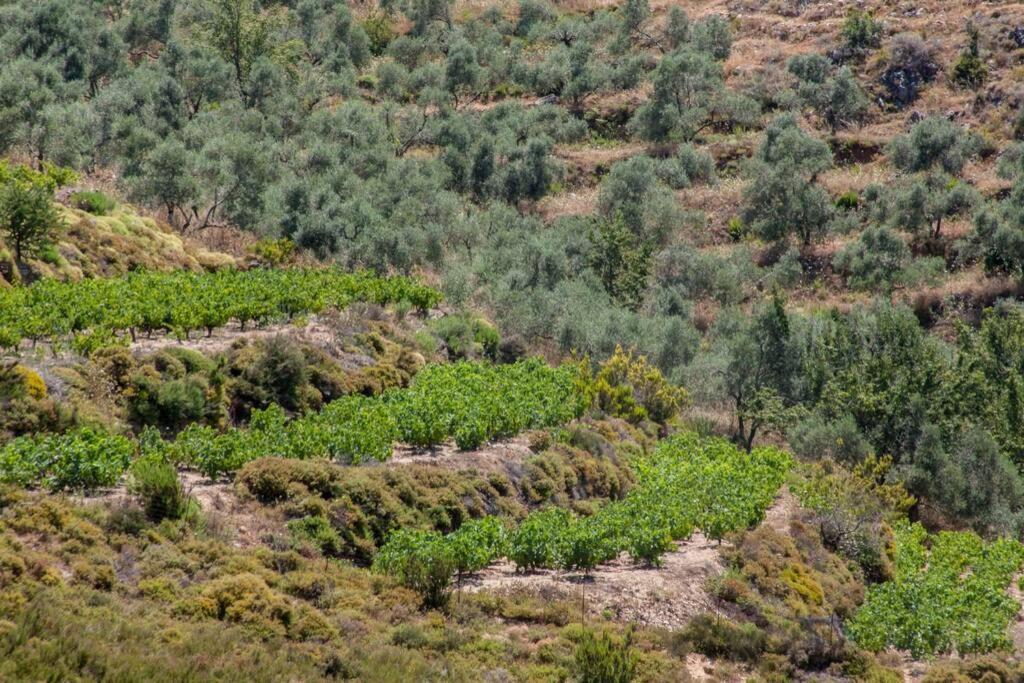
949,593
470,402
93,312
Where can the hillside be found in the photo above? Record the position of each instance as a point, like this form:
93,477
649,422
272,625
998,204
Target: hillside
511,340
114,243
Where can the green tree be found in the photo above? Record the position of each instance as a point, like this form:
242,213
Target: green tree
930,157
462,73
970,70
689,96
861,31
28,217
783,197
757,368
621,260
167,176
242,34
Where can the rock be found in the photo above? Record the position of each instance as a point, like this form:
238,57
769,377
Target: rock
1017,34
547,99
902,86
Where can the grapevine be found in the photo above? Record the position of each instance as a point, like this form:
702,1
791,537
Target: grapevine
471,402
93,313
949,593
687,483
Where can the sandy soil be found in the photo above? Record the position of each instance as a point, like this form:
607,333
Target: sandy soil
501,457
666,596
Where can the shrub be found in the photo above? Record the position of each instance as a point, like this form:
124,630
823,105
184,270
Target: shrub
93,201
467,337
912,63
714,636
273,479
532,545
689,165
875,261
244,599
605,658
155,482
862,31
814,438
273,252
630,388
379,30
848,201
420,560
970,71
316,531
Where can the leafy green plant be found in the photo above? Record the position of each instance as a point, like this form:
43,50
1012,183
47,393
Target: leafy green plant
861,30
533,544
970,70
420,560
184,301
80,459
155,482
316,531
948,593
93,201
605,658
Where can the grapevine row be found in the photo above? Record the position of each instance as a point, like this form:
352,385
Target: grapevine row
470,402
686,484
949,593
93,312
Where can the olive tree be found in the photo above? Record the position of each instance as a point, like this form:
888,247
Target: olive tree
689,95
930,157
783,197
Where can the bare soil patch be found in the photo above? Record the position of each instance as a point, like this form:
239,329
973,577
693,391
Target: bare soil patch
500,457
666,596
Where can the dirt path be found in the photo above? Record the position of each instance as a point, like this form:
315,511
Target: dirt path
782,511
1017,627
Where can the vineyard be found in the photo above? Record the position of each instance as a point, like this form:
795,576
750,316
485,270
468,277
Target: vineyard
470,402
685,484
949,594
92,313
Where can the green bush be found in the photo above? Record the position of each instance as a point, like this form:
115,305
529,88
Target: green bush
155,482
93,201
875,261
714,636
379,30
467,337
274,479
862,31
420,560
605,658
533,544
848,201
970,70
316,531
